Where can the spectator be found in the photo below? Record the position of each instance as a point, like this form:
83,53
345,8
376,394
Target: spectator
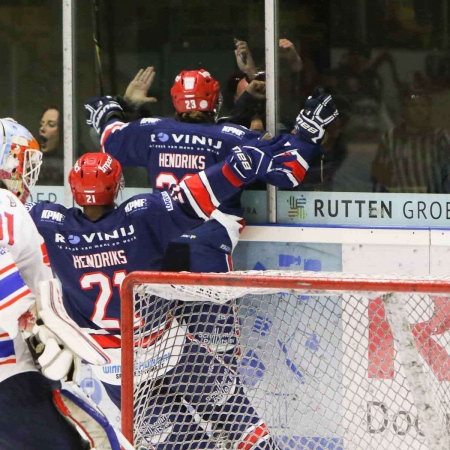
358,78
245,98
413,156
136,102
49,130
50,139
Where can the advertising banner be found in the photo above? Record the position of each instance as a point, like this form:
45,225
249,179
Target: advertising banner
364,209
325,373
322,208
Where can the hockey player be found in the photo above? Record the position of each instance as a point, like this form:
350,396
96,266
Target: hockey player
93,251
29,419
156,143
174,149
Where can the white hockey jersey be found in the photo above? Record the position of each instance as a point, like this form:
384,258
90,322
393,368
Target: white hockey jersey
23,263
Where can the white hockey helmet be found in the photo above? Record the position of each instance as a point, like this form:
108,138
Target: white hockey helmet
20,158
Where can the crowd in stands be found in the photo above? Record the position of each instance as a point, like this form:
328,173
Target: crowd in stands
380,143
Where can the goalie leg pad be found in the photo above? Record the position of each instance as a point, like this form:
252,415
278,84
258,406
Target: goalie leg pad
52,312
89,420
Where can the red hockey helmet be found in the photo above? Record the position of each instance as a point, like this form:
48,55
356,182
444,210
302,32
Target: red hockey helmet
195,90
95,179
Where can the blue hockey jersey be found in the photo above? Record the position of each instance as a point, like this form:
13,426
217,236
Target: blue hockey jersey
91,258
171,151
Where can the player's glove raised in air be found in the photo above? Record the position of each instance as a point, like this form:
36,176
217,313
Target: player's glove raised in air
55,341
319,111
257,159
100,110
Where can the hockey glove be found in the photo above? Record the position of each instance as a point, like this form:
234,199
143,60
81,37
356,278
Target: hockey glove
54,339
257,159
292,163
100,110
48,352
319,111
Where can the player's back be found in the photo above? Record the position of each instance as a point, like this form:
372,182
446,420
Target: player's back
181,149
171,150
91,258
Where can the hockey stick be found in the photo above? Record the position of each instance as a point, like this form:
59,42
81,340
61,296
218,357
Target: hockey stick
97,42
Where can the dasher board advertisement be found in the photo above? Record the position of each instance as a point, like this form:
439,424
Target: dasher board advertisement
364,209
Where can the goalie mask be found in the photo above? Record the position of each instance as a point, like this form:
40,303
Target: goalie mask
20,158
196,90
95,179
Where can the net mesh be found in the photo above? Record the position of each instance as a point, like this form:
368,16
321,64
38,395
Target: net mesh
288,368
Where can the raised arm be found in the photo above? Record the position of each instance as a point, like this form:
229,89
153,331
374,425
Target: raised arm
129,145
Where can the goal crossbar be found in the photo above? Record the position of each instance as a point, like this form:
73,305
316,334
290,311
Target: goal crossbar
295,280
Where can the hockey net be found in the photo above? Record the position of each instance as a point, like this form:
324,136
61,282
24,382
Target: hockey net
327,361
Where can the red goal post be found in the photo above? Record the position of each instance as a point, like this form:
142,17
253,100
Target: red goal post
328,360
